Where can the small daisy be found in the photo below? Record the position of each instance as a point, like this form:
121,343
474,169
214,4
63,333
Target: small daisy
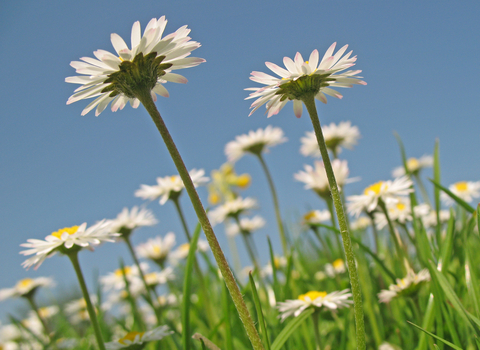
165,54
331,301
26,287
414,165
115,280
429,216
170,187
315,178
399,211
77,309
254,142
153,279
182,251
335,268
128,220
387,191
323,76
224,184
316,217
405,286
361,223
464,190
279,262
138,338
157,249
75,238
343,135
247,225
45,312
231,208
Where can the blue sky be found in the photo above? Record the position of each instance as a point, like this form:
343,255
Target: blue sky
61,169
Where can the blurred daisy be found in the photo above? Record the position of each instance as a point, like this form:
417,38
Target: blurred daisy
316,217
247,225
405,286
335,268
115,280
464,190
414,166
45,312
399,211
128,220
315,178
343,135
76,310
325,75
164,55
182,251
157,249
170,187
361,223
231,208
75,238
279,262
429,216
153,279
387,191
26,287
254,142
331,301
224,183
138,338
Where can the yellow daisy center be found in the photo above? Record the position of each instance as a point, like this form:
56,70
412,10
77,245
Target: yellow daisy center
309,216
156,249
338,264
401,206
173,178
312,295
375,188
130,336
25,283
127,270
214,198
413,164
184,247
69,230
243,180
461,186
276,262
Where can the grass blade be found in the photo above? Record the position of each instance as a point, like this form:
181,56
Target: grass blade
289,328
258,307
436,337
457,199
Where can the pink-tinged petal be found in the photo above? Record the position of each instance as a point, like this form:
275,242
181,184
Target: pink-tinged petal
326,63
329,52
136,34
313,60
339,54
332,92
297,108
161,90
321,97
288,62
103,104
278,70
175,78
118,43
299,60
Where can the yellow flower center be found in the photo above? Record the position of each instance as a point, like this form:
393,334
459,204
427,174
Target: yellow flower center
69,230
127,270
375,188
338,264
184,247
276,262
413,164
461,186
214,198
173,178
401,206
243,181
309,216
130,336
312,295
25,283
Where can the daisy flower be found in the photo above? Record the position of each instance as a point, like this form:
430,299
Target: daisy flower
278,261
138,338
128,220
315,299
335,268
321,76
414,165
182,251
114,280
315,178
464,190
157,249
405,286
343,135
254,142
224,183
65,240
316,217
26,287
361,223
77,309
45,312
170,187
155,57
247,225
387,191
399,211
429,216
231,209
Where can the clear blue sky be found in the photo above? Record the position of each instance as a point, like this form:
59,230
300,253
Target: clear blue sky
60,169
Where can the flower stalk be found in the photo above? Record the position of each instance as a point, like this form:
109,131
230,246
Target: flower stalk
145,98
308,99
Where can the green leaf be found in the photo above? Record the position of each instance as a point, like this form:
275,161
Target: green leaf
187,289
289,328
447,245
206,343
274,267
226,301
457,199
436,337
258,307
436,190
375,257
472,282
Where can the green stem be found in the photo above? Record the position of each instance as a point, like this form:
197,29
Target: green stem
334,223
422,188
182,218
316,331
275,204
91,311
309,101
34,307
326,247
147,101
375,232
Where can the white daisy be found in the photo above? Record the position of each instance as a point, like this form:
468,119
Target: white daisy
387,191
254,142
128,220
157,249
279,262
399,211
414,165
361,223
332,301
182,251
327,72
343,135
170,187
335,268
464,190
115,280
174,48
133,338
76,310
26,287
247,224
316,217
45,312
231,209
405,286
153,279
429,216
67,238
315,178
